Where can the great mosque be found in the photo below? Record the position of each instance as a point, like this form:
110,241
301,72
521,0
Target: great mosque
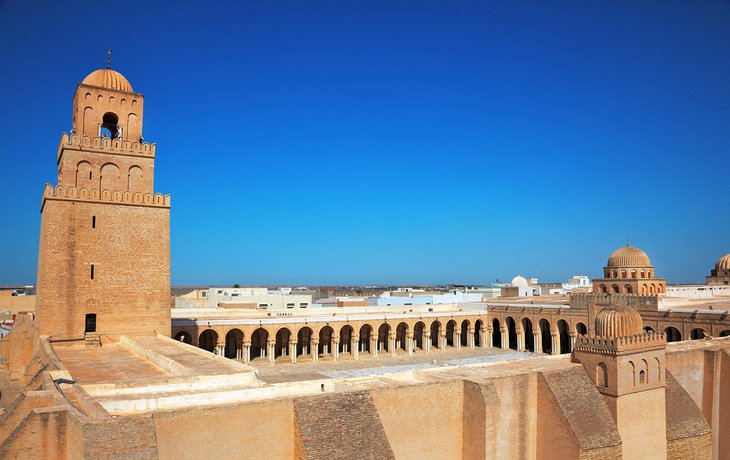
105,370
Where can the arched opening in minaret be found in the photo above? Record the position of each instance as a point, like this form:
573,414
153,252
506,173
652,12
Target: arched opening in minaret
110,126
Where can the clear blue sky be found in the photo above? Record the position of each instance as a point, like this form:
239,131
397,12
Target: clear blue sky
323,142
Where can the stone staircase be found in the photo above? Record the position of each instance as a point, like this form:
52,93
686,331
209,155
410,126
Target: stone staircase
92,339
340,426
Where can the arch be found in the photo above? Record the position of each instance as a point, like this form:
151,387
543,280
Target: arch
208,340
366,334
643,274
435,329
546,339
581,329
633,273
528,337
652,289
234,341
134,179
725,333
401,331
478,327
672,334
615,289
603,288
383,335
564,339
623,273
84,174
643,373
643,289
281,344
184,337
697,334
88,125
110,125
464,338
325,340
648,329
304,341
346,333
419,335
659,370
511,332
602,375
614,274
628,289
633,373
496,334
450,329
109,177
131,124
259,341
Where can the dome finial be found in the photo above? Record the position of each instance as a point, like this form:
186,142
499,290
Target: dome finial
627,242
109,58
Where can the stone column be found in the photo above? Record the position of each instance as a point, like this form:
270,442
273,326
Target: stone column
374,345
486,342
427,342
271,351
220,349
504,332
409,339
555,340
293,351
392,345
355,346
537,341
247,352
520,340
315,347
471,340
239,352
336,349
573,336
457,339
442,341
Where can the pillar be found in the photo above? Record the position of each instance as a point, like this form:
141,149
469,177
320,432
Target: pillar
409,339
391,340
457,339
315,347
427,342
504,332
537,341
355,346
336,349
247,352
555,340
220,349
487,337
442,341
573,335
471,341
271,350
374,345
520,340
293,351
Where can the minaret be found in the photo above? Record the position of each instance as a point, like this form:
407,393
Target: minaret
627,365
104,254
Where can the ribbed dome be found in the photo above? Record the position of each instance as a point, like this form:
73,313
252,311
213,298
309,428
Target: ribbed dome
723,263
108,78
618,322
628,256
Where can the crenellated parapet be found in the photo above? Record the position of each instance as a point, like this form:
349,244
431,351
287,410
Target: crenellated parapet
106,145
619,346
104,196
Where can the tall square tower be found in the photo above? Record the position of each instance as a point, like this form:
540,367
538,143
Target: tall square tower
104,255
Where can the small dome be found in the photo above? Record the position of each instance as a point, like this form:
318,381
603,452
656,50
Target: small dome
628,256
618,322
108,78
723,263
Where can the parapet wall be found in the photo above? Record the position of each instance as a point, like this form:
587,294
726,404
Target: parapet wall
619,346
95,195
106,145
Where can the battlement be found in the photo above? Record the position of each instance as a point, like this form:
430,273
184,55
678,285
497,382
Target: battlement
618,346
105,144
104,196
582,300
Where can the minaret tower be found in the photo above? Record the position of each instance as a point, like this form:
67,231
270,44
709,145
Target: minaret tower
627,365
104,255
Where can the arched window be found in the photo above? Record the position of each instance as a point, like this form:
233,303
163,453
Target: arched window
623,273
616,289
581,329
633,273
602,375
627,289
110,126
603,289
642,377
643,274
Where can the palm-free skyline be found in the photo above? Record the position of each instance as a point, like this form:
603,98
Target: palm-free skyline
383,142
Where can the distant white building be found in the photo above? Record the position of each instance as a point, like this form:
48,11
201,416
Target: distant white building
386,299
522,287
245,297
